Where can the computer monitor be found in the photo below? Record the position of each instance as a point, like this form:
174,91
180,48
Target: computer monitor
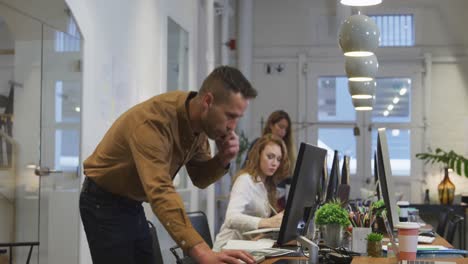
385,178
376,177
334,178
303,195
344,188
345,170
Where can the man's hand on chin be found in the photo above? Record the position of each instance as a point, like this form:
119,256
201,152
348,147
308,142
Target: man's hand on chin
228,146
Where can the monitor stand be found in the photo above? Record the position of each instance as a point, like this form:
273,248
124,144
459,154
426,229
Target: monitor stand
311,247
308,245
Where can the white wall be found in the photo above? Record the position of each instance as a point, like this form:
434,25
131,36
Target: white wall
124,61
449,118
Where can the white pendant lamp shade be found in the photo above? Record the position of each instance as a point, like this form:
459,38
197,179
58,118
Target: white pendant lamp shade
361,68
360,2
362,90
359,36
363,104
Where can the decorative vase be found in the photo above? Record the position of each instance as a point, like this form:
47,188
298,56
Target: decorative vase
446,189
374,249
333,235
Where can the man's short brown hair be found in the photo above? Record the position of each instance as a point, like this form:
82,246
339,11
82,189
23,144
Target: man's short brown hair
225,79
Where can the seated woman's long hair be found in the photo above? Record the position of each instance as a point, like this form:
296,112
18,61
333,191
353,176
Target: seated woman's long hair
252,166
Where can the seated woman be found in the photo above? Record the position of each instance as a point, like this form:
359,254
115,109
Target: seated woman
252,203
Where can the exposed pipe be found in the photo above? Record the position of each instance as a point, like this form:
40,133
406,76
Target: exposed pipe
245,49
225,32
210,63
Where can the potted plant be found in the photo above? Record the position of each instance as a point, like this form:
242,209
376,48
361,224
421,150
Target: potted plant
450,160
374,245
332,218
377,208
243,147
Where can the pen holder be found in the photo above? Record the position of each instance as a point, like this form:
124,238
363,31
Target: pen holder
358,237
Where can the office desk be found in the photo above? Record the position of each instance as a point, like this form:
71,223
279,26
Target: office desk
440,241
430,214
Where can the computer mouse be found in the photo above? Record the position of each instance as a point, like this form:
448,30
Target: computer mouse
428,233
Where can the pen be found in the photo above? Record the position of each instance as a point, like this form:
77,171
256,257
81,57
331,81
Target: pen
273,209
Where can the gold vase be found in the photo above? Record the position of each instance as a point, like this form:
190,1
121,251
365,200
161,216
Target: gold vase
446,189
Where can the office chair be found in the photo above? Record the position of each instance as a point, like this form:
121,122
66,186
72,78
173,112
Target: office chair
443,218
156,248
200,223
453,222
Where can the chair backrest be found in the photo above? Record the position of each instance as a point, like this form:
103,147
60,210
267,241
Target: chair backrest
443,218
452,227
156,248
200,223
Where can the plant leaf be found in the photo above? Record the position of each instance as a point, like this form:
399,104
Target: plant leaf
459,163
466,168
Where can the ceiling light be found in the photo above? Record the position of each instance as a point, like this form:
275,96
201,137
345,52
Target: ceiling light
390,107
363,104
359,36
360,2
77,109
385,113
361,90
403,91
361,68
395,132
396,100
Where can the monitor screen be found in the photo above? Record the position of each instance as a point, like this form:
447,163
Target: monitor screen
303,195
334,178
385,177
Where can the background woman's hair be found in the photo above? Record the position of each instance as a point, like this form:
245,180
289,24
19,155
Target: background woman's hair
253,166
274,118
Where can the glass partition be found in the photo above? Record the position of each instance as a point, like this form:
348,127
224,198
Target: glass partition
20,89
40,126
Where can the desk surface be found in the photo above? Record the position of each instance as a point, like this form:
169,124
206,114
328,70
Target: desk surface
367,260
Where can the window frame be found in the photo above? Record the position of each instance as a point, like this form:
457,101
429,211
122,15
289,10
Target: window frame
389,69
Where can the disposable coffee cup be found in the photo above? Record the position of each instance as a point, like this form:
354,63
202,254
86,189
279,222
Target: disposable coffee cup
407,240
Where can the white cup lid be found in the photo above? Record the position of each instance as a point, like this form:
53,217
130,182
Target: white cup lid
402,203
407,225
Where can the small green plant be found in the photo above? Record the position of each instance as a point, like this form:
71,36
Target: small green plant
332,213
375,237
449,159
378,207
243,147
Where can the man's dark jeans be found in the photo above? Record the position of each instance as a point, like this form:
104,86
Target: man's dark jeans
115,226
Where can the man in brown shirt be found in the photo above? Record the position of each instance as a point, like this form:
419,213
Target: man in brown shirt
140,155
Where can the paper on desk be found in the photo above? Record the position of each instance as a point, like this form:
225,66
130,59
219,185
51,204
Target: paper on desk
249,245
423,247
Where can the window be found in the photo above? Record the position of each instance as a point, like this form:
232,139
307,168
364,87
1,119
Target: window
339,125
395,30
68,42
67,124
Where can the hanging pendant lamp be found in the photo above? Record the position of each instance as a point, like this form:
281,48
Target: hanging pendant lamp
361,68
359,36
